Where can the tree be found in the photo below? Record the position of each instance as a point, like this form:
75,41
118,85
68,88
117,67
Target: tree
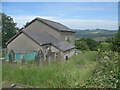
87,43
110,40
92,44
26,24
104,46
81,45
8,28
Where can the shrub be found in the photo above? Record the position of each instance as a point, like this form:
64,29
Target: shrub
104,46
81,45
106,73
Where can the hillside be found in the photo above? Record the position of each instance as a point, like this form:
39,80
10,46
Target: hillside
97,34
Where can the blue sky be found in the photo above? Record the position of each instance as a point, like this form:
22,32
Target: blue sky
77,15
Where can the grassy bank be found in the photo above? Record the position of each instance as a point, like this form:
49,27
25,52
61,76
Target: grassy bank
73,73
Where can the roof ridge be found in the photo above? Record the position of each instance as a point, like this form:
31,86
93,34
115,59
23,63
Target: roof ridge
46,20
53,24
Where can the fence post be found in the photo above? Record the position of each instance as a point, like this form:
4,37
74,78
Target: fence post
11,56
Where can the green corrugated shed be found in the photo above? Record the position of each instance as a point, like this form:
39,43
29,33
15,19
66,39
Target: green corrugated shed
27,57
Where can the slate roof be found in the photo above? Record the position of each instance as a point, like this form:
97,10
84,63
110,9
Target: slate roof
63,46
43,38
57,26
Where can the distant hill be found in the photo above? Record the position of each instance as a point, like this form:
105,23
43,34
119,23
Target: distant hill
96,34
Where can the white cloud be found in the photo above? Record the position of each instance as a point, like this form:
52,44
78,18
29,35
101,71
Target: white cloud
23,19
89,24
72,23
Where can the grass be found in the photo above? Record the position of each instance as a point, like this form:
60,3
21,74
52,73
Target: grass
72,73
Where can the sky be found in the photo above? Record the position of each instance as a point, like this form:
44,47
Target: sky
75,15
60,0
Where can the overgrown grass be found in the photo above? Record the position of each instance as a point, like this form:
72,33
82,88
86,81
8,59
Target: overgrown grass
72,73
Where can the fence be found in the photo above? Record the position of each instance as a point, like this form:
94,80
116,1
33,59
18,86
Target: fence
27,57
39,57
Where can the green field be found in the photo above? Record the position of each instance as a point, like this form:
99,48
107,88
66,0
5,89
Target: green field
97,34
72,73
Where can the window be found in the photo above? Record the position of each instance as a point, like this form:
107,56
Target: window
66,37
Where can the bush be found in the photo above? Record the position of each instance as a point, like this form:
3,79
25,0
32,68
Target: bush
86,44
106,73
104,46
81,45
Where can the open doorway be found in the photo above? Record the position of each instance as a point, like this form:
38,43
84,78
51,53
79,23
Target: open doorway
66,58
